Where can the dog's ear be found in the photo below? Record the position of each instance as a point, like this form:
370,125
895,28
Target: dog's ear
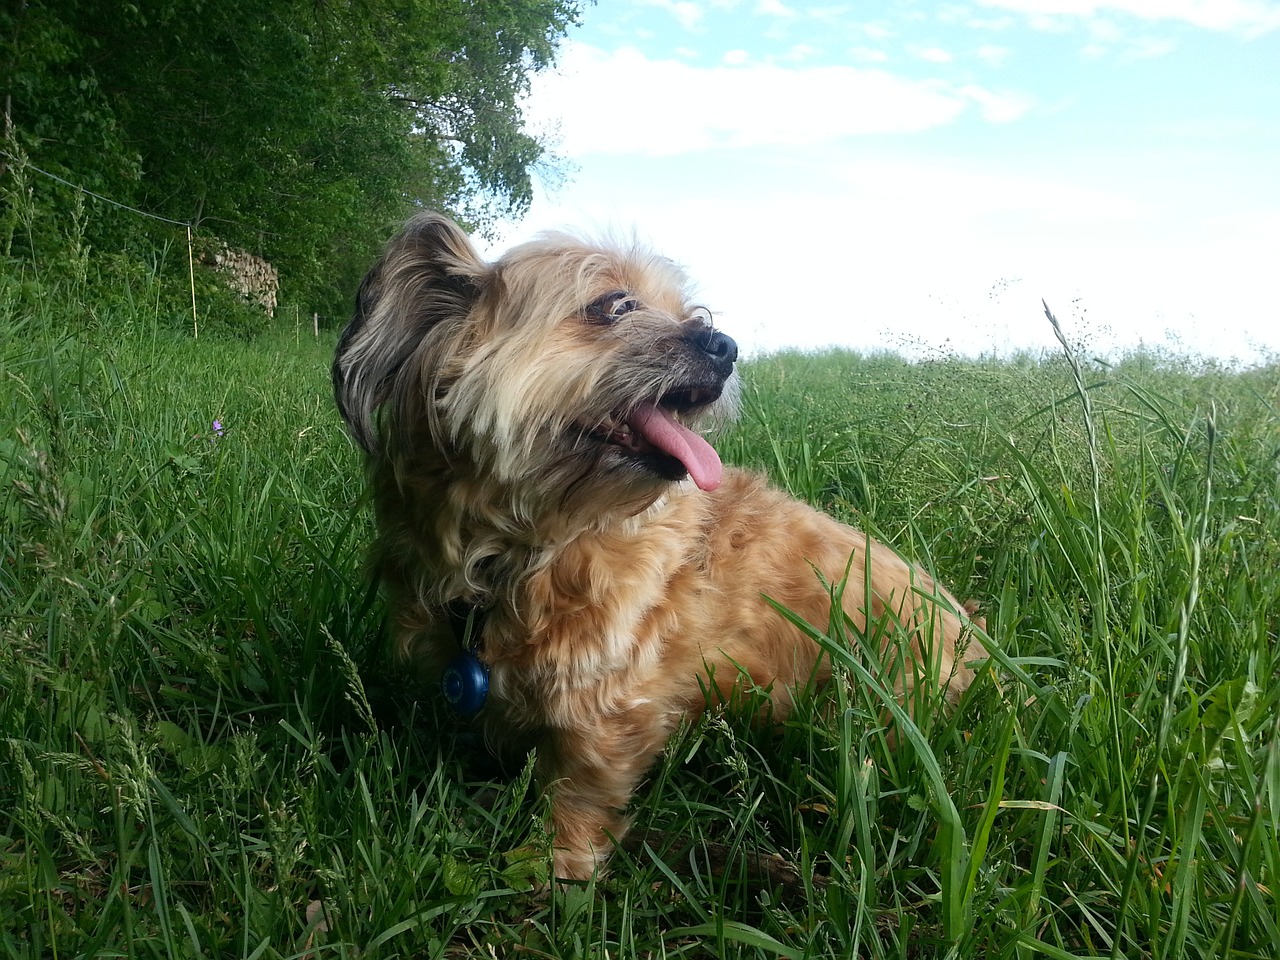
429,274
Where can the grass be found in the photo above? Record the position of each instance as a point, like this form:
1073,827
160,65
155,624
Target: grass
204,753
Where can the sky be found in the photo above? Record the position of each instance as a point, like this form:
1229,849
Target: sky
918,177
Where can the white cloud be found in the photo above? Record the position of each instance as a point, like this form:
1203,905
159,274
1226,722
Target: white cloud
1146,48
868,55
997,106
933,54
799,51
735,57
773,8
624,102
835,14
1106,36
996,24
951,13
899,246
1047,23
993,55
1248,18
688,15
1104,30
903,253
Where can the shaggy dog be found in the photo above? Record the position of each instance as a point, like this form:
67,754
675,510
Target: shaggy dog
531,428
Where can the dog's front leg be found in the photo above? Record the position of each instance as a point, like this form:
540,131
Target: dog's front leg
591,773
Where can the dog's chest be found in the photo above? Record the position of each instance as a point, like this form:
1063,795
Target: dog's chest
597,619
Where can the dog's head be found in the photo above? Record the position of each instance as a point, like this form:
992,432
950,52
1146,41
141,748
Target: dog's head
564,369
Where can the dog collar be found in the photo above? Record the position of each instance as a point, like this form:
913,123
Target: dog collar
465,681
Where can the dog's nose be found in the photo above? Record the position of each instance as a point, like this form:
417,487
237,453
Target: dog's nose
720,347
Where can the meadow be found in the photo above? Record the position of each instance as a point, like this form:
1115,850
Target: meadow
205,751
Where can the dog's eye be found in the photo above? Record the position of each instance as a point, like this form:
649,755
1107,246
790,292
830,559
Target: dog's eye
611,307
702,314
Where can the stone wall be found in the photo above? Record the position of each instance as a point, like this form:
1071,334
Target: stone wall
251,277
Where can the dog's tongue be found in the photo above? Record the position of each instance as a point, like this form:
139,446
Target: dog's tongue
660,428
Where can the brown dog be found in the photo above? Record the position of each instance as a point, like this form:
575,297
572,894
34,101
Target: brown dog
530,430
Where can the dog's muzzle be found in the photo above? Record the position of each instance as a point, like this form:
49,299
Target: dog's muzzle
719,348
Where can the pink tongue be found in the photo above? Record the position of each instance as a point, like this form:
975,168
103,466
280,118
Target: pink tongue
660,428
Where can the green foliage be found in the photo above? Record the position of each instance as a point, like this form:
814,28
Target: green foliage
203,752
293,129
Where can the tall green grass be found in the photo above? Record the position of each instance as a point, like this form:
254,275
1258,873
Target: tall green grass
203,751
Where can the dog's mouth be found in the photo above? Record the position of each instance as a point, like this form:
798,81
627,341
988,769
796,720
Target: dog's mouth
653,434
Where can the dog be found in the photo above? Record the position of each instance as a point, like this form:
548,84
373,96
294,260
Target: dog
549,512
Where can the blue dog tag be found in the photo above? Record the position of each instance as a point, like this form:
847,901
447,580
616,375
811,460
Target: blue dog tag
465,684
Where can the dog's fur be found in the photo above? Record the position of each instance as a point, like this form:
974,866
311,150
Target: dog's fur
503,407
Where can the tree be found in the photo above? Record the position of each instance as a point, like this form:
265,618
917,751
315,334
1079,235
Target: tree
298,129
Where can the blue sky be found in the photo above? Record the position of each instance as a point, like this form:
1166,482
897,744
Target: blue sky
917,176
